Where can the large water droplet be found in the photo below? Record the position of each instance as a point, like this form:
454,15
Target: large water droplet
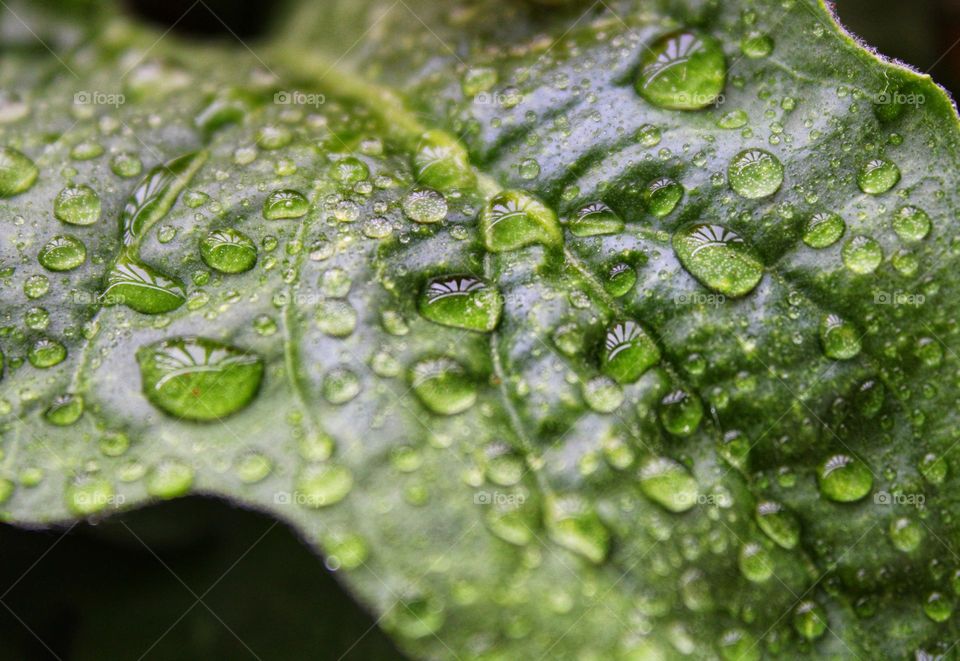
878,176
840,339
938,607
719,258
862,254
911,223
755,563
755,173
682,71
844,479
156,193
809,620
514,219
228,251
661,196
441,162
905,534
443,385
461,301
170,478
628,352
574,525
620,279
77,204
285,203
323,485
425,205
602,394
17,172
142,288
198,379
62,253
64,410
594,219
45,353
778,523
681,412
823,230
668,483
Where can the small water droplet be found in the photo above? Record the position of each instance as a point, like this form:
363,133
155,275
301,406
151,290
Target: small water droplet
878,176
170,478
620,279
661,196
844,479
669,484
425,205
323,485
62,253
755,563
284,204
840,339
443,386
756,45
595,219
441,162
340,385
88,494
809,620
574,525
862,254
778,523
228,251
755,173
77,204
681,412
911,223
602,394
823,229
64,410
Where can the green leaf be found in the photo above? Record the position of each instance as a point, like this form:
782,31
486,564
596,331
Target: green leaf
744,451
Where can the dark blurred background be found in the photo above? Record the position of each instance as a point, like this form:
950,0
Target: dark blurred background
100,593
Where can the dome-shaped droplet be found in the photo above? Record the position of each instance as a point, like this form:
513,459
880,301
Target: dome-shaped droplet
628,352
195,378
425,206
938,607
823,229
620,279
595,219
142,288
840,339
503,466
512,516
62,253
228,250
441,162
682,71
126,165
169,478
514,219
756,45
88,494
862,254
661,196
755,173
878,176
46,352
602,394
64,410
323,485
17,172
573,524
461,301
911,223
681,412
668,483
905,534
340,385
77,204
778,523
755,563
844,479
719,258
443,386
285,203
809,619
739,645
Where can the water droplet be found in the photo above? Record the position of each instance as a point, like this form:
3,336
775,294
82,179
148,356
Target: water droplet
668,483
718,258
35,319
425,205
36,286
628,352
170,478
62,253
661,196
17,172
77,204
869,397
574,525
934,468
681,412
477,80
64,410
228,251
46,353
345,551
461,301
778,523
88,494
443,386
349,171
739,645
529,169
253,467
911,223
823,229
340,385
142,288
862,254
734,119
336,318
198,379
323,485
594,219
441,162
878,176
602,394
755,563
620,279
114,444
86,150
514,219
273,137
126,165
840,339
682,71
905,534
568,338
755,173
844,479
809,620
285,203
504,467
938,607
756,45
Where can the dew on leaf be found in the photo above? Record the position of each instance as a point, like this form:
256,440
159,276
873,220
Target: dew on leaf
844,479
195,378
424,205
938,607
602,394
169,478
228,250
661,196
77,204
911,223
36,286
573,524
345,551
755,173
862,254
340,385
64,410
17,172
718,258
778,523
461,301
878,176
62,253
628,352
323,485
273,137
284,204
905,534
739,645
442,163
514,219
349,171
336,318
620,279
253,467
88,494
595,219
45,353
839,339
142,288
668,483
114,444
512,518
682,71
649,135
734,119
443,386
756,45
755,563
823,229
681,412
126,165
809,619
503,466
